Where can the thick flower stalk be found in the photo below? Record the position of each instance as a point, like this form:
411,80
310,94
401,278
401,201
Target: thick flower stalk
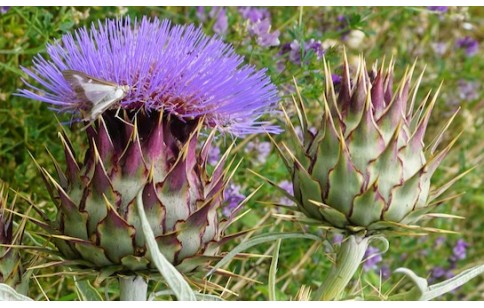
366,170
177,82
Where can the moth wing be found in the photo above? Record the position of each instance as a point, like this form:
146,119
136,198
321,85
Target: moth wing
87,87
96,93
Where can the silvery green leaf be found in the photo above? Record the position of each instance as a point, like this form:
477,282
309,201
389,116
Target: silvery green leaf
173,278
259,239
273,271
199,296
7,293
423,292
86,291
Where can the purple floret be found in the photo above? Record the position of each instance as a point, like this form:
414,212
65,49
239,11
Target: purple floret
168,67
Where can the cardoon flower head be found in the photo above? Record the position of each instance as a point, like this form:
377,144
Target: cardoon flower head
470,45
177,69
174,80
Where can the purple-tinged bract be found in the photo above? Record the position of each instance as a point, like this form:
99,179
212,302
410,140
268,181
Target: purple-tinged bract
177,69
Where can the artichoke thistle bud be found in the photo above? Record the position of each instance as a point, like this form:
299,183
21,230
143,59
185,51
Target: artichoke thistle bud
366,168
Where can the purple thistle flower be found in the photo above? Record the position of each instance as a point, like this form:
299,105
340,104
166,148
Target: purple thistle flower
232,197
177,69
221,23
470,45
372,258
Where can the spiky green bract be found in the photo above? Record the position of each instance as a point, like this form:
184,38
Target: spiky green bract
366,167
11,269
97,221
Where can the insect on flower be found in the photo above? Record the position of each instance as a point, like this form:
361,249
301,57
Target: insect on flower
98,94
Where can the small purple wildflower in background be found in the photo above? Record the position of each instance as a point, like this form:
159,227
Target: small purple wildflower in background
385,271
262,150
4,9
316,47
200,13
213,155
439,9
287,186
439,48
469,44
336,79
375,258
259,25
232,198
468,90
459,250
439,241
253,14
296,52
268,39
438,272
221,21
338,238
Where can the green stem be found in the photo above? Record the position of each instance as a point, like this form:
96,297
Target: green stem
347,262
133,288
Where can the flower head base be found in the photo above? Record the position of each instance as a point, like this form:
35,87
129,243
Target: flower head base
176,69
366,168
98,224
